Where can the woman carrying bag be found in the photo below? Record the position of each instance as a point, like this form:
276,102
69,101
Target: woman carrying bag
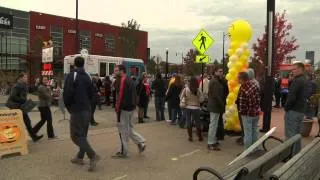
190,101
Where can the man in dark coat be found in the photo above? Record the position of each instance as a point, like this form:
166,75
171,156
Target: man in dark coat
216,106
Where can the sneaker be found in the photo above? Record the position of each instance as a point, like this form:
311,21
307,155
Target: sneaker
119,155
141,147
94,124
214,147
77,161
93,163
37,138
53,138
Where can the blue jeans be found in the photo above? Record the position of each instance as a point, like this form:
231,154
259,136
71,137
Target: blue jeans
159,104
213,127
250,129
292,126
176,115
192,115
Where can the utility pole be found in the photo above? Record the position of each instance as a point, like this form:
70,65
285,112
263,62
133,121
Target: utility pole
223,57
77,28
270,55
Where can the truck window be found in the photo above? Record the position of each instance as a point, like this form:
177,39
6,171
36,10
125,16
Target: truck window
111,68
103,69
134,71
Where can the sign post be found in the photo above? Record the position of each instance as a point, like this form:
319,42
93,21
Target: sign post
202,42
12,133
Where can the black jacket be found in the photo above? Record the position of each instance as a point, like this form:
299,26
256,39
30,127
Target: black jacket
216,96
129,98
95,96
173,96
142,94
18,96
77,94
297,96
159,86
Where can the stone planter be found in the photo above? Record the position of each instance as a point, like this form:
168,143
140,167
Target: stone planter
306,127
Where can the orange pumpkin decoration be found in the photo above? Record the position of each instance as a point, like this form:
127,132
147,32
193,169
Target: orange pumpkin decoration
9,133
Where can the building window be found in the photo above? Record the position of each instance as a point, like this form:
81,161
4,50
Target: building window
109,42
85,40
57,39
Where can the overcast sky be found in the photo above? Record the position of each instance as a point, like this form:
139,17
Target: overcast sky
173,24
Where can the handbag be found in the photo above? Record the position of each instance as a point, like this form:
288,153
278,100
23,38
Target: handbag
183,100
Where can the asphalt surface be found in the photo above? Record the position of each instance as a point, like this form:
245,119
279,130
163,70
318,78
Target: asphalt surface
168,156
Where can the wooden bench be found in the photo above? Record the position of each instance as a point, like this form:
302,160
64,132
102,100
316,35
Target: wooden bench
303,166
255,165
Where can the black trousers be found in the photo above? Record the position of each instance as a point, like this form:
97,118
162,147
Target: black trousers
93,110
145,108
79,125
46,116
220,131
277,95
27,123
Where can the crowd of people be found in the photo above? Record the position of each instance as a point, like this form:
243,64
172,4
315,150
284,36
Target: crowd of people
184,97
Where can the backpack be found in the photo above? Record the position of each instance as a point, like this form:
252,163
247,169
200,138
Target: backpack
68,91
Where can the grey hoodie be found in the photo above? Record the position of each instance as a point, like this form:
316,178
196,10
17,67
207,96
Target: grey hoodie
44,95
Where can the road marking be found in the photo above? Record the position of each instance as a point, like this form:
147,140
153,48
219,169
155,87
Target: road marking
121,177
189,154
185,155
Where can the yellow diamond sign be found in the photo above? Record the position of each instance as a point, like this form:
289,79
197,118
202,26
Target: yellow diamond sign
202,59
203,41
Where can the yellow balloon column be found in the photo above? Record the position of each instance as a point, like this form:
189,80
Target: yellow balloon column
240,33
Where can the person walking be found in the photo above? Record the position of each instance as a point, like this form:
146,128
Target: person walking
95,100
216,106
277,90
77,97
107,88
45,98
18,100
296,104
249,107
159,87
191,95
125,106
147,86
173,99
143,93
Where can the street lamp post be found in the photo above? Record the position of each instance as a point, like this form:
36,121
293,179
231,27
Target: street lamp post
223,56
181,61
269,60
77,29
167,65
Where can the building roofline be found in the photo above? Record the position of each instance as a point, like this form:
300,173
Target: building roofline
103,23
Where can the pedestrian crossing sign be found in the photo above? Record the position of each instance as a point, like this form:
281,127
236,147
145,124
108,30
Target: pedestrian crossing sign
202,59
203,41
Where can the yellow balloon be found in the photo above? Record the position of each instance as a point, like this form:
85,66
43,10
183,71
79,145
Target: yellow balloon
233,58
234,45
247,52
229,102
230,52
228,76
232,96
240,31
239,65
233,72
244,59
